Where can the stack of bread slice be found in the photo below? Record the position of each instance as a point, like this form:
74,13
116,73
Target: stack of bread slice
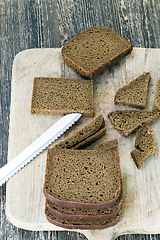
83,187
86,135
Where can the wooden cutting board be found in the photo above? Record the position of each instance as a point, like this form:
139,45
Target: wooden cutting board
25,199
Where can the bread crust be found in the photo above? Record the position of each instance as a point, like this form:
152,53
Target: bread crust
85,217
111,223
81,205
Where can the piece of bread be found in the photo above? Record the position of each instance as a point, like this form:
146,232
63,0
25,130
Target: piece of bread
127,121
94,50
135,93
93,138
75,224
86,214
62,96
89,179
80,136
104,146
156,104
145,144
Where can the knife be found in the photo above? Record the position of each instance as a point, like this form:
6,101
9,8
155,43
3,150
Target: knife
55,131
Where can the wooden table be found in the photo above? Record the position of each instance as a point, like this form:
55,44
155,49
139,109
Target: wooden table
49,24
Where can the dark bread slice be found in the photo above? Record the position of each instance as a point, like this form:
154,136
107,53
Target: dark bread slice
104,146
96,124
88,141
62,96
94,50
135,93
75,224
127,121
145,143
89,179
156,104
86,214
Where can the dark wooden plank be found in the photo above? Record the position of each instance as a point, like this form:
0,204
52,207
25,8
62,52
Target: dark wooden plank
40,23
138,21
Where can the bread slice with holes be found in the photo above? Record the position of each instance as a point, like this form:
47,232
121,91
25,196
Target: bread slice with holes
94,50
62,96
88,179
86,135
127,121
135,93
78,224
145,145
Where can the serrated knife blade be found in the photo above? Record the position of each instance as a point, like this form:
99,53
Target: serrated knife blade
55,131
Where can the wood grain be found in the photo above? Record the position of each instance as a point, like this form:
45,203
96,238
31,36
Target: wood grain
40,23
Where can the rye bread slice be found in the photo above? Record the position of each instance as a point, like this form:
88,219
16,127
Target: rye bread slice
62,96
156,104
94,50
96,124
75,224
104,146
127,121
89,179
135,93
88,141
145,144
86,214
